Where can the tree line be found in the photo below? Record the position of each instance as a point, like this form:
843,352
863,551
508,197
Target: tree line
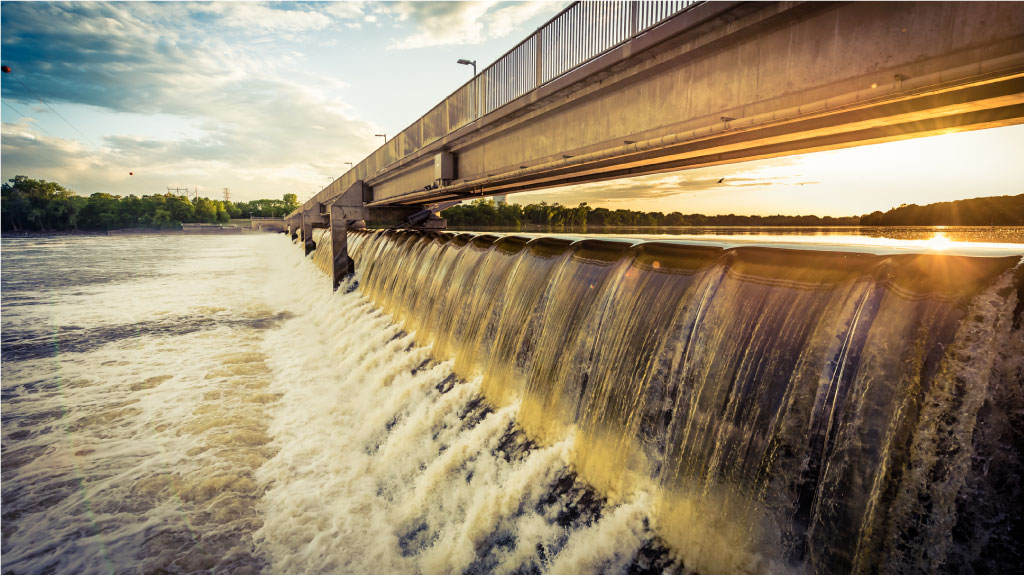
486,213
990,211
38,205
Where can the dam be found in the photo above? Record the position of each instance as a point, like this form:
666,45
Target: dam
572,405
763,409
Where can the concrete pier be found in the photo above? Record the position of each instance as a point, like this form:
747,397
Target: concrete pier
342,264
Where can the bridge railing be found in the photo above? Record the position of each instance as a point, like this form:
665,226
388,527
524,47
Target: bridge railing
576,35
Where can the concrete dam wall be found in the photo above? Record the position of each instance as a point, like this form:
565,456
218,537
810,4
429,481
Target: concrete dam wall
774,410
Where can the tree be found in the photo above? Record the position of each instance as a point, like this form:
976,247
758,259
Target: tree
37,205
205,210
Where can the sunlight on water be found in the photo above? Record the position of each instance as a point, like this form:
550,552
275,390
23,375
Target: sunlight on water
935,242
940,242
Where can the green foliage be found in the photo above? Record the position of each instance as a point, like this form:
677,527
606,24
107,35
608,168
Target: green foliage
38,205
28,204
267,208
990,211
486,213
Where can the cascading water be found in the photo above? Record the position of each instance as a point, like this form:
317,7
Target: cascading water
483,404
760,409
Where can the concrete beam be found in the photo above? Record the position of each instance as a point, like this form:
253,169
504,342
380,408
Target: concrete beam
352,203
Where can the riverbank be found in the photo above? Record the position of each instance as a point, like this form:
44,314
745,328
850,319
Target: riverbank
137,231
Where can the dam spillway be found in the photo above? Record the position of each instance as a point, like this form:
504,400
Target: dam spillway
782,409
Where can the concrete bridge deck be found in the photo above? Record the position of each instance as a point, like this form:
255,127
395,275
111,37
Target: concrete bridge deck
714,83
615,89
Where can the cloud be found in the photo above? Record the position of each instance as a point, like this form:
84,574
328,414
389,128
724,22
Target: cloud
276,19
447,23
33,153
348,10
188,61
664,186
223,86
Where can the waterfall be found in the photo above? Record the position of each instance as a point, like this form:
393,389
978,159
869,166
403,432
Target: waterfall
767,409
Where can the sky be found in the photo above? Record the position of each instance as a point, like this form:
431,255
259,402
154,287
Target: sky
268,99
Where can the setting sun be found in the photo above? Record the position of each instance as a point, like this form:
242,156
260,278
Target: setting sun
939,242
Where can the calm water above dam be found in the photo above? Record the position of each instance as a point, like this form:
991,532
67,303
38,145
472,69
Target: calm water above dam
815,234
193,405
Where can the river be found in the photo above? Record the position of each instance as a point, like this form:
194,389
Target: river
208,404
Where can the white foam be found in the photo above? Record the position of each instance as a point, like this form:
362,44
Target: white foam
376,470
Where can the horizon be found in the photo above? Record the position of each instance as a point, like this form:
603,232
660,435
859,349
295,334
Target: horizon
191,94
493,200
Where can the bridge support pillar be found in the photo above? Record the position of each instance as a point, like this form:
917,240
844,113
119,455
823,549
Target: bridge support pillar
307,231
342,265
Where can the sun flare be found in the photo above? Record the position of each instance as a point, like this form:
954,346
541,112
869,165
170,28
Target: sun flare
939,241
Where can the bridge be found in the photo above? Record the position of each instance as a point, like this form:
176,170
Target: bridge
607,90
267,224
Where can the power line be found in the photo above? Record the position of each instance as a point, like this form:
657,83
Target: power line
29,119
191,195
40,98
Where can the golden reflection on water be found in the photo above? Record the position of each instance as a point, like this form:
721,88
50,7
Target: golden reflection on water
939,242
935,241
965,234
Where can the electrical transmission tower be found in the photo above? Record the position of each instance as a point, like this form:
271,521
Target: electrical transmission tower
190,195
227,194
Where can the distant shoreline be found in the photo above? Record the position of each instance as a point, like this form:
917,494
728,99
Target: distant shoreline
135,232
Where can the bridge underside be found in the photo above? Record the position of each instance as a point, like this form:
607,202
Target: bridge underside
981,105
732,82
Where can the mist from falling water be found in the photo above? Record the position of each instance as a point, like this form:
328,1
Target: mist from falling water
767,409
389,462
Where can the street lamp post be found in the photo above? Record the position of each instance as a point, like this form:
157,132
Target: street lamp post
466,62
385,136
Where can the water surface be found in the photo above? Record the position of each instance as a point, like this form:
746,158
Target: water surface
196,405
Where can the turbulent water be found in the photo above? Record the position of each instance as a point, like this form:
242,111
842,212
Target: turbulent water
475,404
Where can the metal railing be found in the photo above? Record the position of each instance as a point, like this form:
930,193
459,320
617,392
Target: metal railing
576,35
